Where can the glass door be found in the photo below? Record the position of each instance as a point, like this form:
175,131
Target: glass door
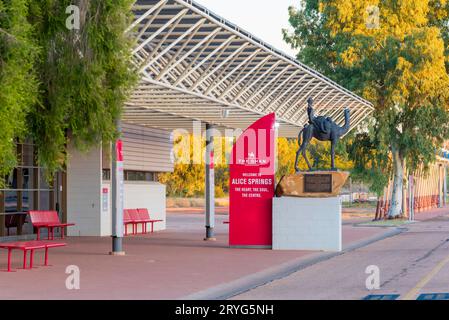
26,189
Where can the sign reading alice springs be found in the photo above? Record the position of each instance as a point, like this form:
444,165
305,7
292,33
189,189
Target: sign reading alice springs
252,185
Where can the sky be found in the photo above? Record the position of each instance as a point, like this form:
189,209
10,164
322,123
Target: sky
264,19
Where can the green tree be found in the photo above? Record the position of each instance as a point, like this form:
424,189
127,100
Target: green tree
399,64
188,177
18,84
61,85
85,76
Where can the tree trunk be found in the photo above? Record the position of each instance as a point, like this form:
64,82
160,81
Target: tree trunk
395,210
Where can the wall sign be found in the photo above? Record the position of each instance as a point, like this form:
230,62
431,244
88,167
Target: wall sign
105,199
252,185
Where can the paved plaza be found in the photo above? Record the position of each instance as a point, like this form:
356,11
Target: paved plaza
172,264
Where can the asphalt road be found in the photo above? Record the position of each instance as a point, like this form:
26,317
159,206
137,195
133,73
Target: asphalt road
412,263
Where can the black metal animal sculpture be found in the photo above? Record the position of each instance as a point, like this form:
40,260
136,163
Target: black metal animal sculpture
323,129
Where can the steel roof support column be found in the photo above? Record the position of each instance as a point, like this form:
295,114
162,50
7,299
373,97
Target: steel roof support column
210,184
117,193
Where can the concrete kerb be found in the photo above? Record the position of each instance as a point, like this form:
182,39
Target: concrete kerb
239,286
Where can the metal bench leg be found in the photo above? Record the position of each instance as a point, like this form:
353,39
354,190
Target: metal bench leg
46,257
24,259
9,259
31,258
152,227
62,232
38,233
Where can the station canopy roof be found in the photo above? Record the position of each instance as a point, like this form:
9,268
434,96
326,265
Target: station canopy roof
194,65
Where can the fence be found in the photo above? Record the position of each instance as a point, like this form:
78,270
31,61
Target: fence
427,189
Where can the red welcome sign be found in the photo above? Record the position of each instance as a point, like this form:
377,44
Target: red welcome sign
252,185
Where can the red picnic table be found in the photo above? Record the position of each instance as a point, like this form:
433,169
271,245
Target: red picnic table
26,246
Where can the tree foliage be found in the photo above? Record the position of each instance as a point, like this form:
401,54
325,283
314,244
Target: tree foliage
18,83
84,74
188,177
371,166
400,64
63,85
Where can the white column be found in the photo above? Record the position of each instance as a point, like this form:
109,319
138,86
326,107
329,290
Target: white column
210,184
117,196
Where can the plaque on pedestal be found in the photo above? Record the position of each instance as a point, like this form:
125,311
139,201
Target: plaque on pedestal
318,184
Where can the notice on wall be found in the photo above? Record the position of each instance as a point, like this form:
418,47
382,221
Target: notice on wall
105,199
252,185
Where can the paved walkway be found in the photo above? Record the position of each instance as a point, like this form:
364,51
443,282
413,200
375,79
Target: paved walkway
168,265
431,214
412,263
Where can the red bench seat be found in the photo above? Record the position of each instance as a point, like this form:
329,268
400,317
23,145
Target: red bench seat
50,221
127,220
135,217
144,216
26,246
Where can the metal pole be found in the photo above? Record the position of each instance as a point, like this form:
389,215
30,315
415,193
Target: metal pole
351,194
210,184
411,198
117,195
444,185
440,187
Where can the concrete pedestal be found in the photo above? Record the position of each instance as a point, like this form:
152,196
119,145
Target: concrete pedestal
307,224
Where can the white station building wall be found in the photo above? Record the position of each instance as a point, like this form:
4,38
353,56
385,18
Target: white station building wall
84,178
150,195
89,196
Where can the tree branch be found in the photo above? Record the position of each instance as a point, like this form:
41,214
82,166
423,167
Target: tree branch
9,36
